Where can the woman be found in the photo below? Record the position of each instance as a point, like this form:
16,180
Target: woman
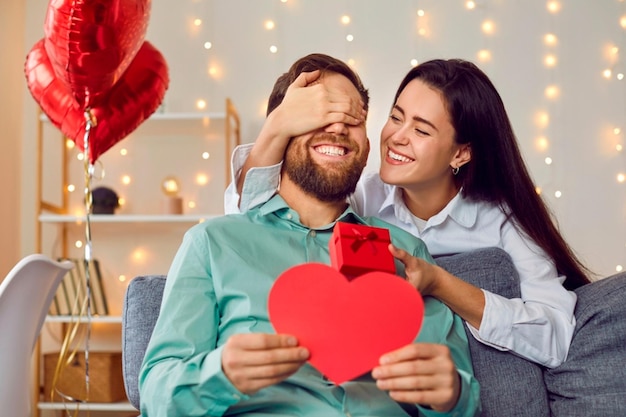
452,174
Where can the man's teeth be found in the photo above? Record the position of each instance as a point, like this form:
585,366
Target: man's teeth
331,150
398,157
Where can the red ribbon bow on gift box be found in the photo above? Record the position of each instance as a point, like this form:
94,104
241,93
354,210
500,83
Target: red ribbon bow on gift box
361,239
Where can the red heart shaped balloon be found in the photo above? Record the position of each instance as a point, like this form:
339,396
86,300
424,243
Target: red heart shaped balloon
91,43
346,324
133,98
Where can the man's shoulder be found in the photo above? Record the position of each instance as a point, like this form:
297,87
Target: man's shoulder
221,222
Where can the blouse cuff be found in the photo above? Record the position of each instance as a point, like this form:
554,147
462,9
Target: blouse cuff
259,185
494,333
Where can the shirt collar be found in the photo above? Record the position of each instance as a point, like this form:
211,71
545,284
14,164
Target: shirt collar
277,206
394,203
458,209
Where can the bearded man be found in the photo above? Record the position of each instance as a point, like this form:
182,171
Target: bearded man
214,351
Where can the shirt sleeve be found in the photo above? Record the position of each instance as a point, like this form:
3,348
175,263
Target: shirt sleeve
259,185
539,326
181,374
442,326
468,404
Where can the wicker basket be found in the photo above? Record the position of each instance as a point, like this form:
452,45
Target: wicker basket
105,378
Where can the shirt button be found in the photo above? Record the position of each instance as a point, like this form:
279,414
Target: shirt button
289,216
313,233
237,396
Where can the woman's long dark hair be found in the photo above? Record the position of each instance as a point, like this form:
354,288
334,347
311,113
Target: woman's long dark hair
496,172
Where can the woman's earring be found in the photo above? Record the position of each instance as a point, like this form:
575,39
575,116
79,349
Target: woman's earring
455,170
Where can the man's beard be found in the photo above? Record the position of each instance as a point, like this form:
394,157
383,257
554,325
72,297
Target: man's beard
327,183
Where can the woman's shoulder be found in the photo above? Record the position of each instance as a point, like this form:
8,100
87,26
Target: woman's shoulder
370,194
484,210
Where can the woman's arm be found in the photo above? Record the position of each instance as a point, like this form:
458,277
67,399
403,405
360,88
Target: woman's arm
542,323
461,297
538,326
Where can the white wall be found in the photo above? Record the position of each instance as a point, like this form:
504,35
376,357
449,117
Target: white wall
591,210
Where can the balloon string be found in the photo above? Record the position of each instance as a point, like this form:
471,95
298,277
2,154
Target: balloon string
81,306
89,170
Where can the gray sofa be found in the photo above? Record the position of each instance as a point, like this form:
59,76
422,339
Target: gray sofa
591,383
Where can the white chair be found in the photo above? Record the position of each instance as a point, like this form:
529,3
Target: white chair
25,297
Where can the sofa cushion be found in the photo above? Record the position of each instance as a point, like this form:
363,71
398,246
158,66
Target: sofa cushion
142,304
509,385
592,381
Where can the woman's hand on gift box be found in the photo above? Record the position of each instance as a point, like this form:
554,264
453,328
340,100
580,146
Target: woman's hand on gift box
423,275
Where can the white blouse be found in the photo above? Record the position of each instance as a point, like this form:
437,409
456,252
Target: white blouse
538,326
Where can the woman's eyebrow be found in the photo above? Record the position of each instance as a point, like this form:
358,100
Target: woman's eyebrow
416,118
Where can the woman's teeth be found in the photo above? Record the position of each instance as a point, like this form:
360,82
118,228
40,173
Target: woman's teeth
398,157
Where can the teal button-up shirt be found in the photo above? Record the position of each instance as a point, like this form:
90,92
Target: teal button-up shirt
218,285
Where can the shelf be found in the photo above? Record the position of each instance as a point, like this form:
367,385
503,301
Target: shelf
125,218
170,116
139,239
94,319
121,406
187,116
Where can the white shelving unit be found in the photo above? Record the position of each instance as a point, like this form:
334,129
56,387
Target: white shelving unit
105,407
139,238
84,320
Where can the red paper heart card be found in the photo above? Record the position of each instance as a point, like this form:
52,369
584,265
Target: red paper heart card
346,324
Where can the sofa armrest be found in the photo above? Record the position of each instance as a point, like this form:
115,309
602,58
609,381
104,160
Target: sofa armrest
142,304
509,384
592,381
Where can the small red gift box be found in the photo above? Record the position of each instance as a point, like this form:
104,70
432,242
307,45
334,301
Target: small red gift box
356,249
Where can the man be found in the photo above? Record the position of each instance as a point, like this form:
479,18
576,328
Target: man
214,352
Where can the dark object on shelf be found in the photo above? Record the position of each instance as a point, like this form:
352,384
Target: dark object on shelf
104,201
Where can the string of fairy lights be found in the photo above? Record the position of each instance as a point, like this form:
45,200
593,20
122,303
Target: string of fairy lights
546,130
615,73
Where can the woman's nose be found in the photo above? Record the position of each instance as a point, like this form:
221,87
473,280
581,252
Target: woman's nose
399,136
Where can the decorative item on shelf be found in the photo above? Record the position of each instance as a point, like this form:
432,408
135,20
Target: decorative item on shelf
173,202
67,382
70,298
105,201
